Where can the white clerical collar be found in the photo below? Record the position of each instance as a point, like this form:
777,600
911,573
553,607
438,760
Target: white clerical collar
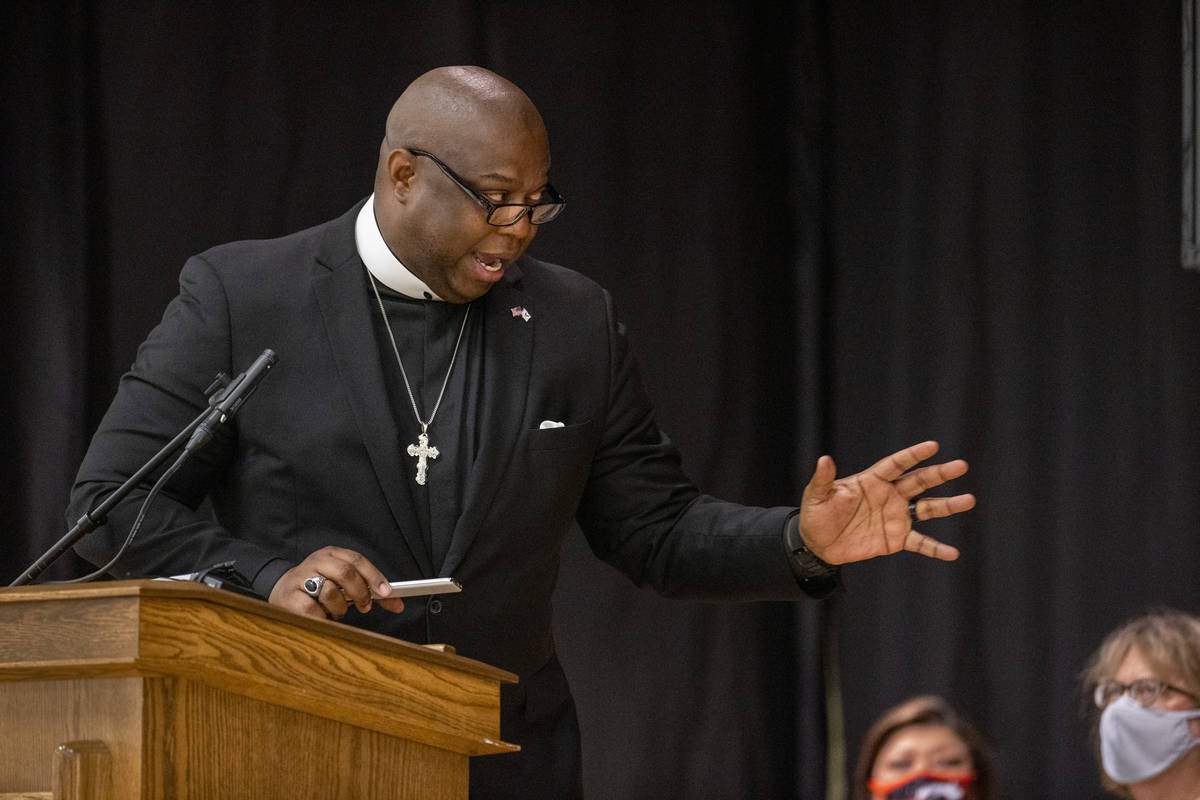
381,262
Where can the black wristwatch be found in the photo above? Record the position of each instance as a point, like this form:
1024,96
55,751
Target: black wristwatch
816,577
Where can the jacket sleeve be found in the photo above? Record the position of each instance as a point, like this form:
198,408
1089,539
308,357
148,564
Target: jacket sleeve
162,392
643,515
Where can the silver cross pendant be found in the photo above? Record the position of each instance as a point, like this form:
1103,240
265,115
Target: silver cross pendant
422,452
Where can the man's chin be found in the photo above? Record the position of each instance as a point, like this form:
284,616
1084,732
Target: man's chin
472,283
465,291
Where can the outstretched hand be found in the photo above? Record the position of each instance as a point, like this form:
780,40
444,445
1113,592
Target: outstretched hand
867,514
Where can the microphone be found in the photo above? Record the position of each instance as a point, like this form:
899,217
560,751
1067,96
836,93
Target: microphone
226,403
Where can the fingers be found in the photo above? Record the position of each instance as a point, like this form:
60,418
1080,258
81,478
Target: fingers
393,604
932,508
289,593
332,599
351,573
349,581
929,547
921,480
909,484
895,465
935,507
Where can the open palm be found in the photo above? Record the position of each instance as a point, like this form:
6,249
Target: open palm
867,514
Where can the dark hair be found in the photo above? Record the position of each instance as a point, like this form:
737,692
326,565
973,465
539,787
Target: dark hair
924,710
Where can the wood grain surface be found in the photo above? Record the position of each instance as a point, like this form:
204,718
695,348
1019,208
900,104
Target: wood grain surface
195,692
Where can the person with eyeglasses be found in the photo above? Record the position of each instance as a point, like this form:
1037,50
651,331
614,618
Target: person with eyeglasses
1144,681
445,405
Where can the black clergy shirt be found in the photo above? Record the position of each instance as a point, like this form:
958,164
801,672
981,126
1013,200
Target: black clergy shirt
425,333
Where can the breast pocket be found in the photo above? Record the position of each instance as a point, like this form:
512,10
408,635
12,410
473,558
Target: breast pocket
556,466
568,437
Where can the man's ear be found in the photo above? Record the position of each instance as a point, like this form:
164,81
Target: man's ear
400,173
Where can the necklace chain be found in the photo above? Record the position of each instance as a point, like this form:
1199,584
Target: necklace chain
395,350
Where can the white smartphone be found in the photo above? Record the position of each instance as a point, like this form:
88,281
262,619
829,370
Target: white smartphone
423,587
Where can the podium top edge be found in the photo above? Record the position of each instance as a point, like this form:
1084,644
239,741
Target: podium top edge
197,592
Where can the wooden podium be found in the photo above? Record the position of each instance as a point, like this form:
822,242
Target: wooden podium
162,689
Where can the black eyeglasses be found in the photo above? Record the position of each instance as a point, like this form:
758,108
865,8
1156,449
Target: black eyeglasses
1145,691
504,214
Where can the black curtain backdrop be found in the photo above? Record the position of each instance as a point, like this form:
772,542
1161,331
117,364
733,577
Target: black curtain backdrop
831,227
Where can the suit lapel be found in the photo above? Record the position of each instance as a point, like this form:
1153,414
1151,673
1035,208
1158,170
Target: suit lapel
342,293
507,354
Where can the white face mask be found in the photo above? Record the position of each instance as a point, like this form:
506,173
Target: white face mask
1137,743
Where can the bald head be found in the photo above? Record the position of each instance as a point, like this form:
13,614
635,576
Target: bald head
453,111
468,126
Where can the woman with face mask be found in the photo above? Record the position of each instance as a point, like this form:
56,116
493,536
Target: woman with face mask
1145,680
923,750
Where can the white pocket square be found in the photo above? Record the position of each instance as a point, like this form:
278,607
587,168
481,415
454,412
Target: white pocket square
549,423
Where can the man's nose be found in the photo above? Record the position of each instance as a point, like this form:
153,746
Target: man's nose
522,228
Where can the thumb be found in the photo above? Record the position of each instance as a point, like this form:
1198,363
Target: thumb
821,483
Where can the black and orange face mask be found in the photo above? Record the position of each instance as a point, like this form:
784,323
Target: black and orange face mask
925,786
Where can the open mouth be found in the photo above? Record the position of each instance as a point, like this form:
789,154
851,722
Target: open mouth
489,263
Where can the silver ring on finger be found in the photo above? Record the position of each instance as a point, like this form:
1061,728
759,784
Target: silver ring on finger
912,512
312,586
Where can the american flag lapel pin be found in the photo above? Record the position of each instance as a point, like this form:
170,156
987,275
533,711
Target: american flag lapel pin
518,311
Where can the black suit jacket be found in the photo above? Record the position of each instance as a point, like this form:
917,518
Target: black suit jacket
314,458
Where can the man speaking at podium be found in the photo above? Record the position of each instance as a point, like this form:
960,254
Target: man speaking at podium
445,406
